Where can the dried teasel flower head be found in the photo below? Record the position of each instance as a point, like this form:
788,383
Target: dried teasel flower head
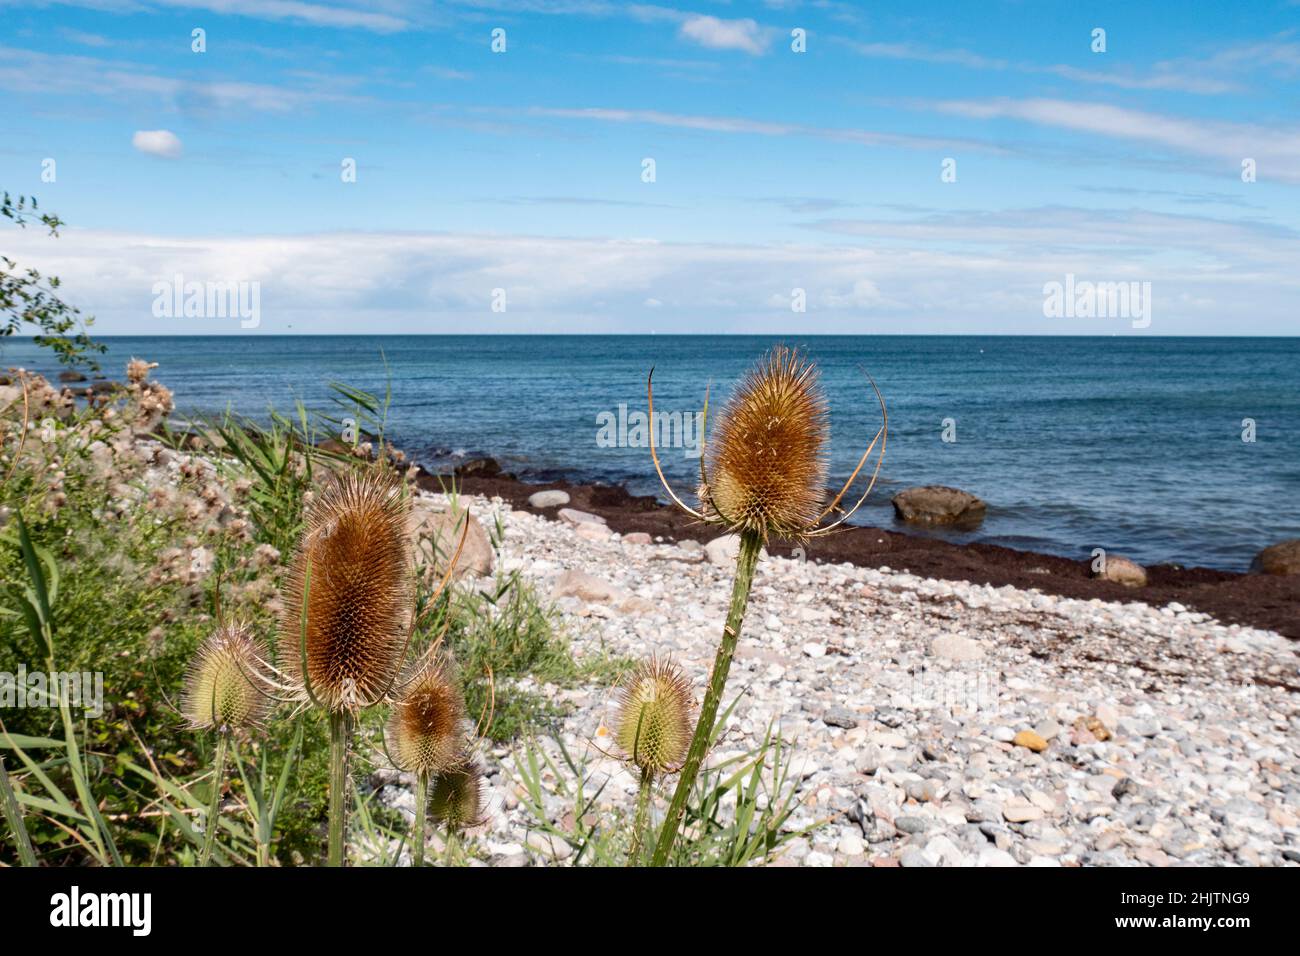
456,797
656,716
137,370
764,470
348,596
425,734
225,685
768,454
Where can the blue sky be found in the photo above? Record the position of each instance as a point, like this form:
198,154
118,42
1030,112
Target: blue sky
775,170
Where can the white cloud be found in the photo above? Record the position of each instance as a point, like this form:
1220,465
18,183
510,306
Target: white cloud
744,35
972,273
157,142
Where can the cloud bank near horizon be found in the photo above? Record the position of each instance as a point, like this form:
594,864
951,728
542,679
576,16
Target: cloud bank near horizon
969,273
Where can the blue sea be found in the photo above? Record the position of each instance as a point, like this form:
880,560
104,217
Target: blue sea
1132,444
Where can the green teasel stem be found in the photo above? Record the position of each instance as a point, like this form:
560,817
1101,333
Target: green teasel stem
642,812
340,727
421,801
210,822
751,543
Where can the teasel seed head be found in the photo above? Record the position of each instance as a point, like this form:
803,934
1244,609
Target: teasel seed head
456,797
767,455
225,685
354,566
425,734
656,716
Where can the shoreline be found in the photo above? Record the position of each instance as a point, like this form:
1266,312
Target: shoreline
1264,601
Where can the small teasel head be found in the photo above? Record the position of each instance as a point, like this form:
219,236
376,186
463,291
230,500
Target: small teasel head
656,716
767,457
345,625
456,797
137,370
426,732
225,686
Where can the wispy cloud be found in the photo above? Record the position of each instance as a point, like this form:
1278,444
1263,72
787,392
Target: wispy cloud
731,124
29,71
1276,150
83,38
280,11
1124,235
910,51
573,201
1186,78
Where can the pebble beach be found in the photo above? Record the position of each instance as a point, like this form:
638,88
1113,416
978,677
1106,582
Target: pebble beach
932,722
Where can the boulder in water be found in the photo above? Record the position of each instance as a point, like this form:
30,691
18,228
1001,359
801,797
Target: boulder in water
938,505
1280,558
479,468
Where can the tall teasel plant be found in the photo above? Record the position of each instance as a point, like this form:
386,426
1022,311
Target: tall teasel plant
226,692
653,730
762,476
349,613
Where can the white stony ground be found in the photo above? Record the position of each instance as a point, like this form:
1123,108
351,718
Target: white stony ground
906,700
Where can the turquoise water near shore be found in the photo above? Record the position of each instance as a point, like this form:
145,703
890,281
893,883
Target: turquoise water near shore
1133,444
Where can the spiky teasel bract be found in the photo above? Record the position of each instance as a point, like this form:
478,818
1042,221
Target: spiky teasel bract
768,457
345,625
226,683
426,732
656,714
456,800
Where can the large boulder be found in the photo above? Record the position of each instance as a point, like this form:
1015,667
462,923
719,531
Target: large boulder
938,505
438,533
551,498
1123,571
1280,558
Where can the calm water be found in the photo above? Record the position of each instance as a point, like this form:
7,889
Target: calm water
1131,444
